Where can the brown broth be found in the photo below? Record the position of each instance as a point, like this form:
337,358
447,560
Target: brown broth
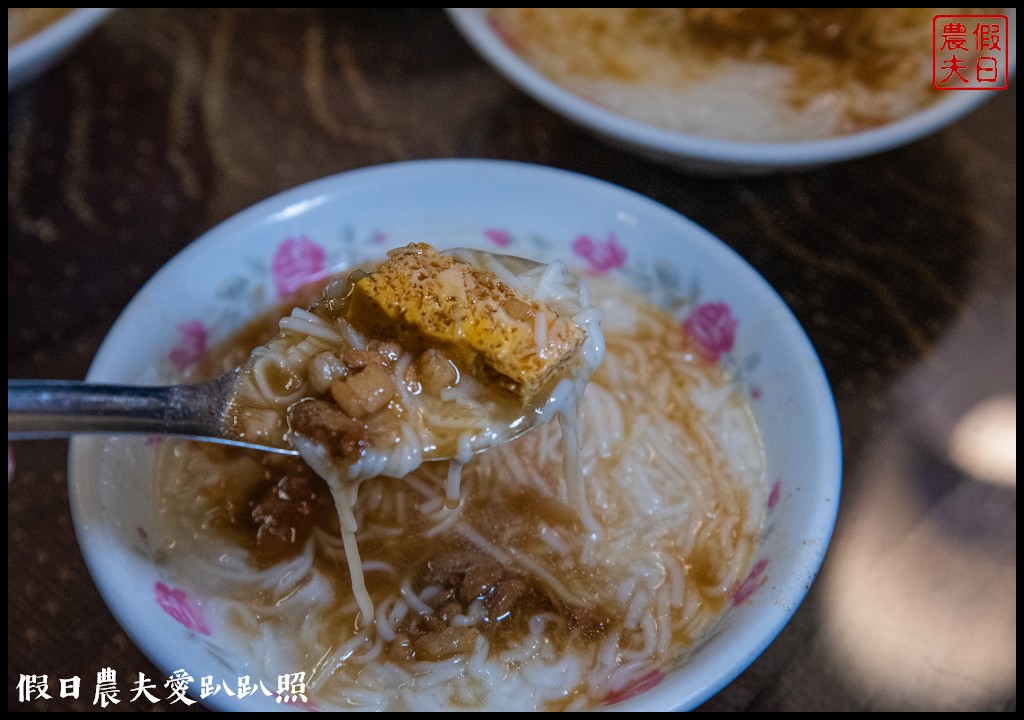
511,517
861,57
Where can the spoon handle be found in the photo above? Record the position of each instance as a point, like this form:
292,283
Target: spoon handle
58,408
39,409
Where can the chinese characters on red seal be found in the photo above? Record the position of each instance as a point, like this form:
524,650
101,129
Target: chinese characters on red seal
970,52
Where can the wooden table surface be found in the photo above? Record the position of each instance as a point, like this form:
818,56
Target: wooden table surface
901,267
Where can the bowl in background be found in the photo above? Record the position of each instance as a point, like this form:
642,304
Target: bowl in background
41,50
704,155
235,271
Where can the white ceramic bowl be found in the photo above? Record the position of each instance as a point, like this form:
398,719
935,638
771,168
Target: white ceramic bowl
40,51
236,270
702,155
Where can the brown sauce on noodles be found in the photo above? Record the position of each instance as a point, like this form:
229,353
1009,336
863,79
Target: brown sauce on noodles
505,563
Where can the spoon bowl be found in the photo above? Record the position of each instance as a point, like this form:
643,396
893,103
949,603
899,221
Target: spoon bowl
210,411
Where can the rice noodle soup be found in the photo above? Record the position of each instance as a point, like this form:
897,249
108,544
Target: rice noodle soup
508,600
742,74
427,356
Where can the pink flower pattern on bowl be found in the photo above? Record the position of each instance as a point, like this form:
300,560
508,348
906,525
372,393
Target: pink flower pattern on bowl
713,327
501,238
601,257
645,683
191,347
296,262
752,583
175,602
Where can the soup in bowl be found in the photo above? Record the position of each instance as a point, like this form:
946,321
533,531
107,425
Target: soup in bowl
707,442
729,91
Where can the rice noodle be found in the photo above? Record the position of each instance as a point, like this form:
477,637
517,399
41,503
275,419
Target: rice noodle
674,483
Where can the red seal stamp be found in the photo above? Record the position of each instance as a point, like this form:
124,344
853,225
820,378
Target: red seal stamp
970,52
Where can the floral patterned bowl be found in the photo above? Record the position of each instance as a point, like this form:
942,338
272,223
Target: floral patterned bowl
703,155
245,264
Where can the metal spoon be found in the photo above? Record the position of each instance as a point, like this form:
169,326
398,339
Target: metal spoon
38,409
